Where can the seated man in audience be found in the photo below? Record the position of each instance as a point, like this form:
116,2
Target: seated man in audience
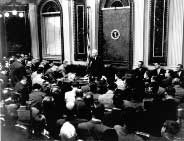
169,130
17,71
93,129
140,70
81,109
179,95
127,132
159,72
62,69
170,104
51,74
68,132
23,89
179,73
36,96
167,81
107,98
70,95
119,82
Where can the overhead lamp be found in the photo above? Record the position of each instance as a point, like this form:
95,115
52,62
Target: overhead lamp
6,14
21,14
1,15
14,12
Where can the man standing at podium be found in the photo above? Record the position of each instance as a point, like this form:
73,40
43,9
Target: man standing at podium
95,66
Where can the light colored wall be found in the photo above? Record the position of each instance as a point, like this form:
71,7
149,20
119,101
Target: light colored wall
175,39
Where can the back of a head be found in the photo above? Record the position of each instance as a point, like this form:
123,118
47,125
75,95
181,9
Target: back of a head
112,86
176,81
93,87
36,86
68,132
75,84
154,86
170,91
170,127
79,93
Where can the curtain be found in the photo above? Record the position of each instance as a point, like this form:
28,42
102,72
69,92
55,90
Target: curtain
52,35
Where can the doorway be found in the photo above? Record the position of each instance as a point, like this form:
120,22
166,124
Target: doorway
17,31
115,34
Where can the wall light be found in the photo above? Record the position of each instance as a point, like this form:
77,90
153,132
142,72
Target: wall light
14,12
6,14
1,15
21,15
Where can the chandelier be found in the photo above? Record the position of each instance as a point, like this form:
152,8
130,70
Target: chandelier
13,8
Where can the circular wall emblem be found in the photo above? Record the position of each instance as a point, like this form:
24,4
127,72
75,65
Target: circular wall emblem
115,34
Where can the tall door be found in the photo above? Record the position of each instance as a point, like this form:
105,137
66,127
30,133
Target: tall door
116,35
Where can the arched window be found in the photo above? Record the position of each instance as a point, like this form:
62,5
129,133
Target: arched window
51,30
117,4
50,7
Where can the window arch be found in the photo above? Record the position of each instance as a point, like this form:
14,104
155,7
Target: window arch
117,4
50,7
51,30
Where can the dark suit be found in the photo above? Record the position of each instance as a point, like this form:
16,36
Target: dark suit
160,75
180,75
95,67
139,72
17,71
36,98
81,109
91,130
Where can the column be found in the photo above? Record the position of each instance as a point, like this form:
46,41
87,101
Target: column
34,30
175,31
3,42
66,29
138,31
147,13
93,22
1,38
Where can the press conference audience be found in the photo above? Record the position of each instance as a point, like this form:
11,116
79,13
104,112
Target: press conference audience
132,106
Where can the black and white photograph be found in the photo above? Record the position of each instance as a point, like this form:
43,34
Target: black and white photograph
91,70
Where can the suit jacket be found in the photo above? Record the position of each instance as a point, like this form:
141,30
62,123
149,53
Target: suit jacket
82,110
107,99
95,67
180,76
91,130
179,95
161,74
124,136
17,71
140,72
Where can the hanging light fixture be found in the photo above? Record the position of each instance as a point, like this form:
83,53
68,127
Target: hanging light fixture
6,14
